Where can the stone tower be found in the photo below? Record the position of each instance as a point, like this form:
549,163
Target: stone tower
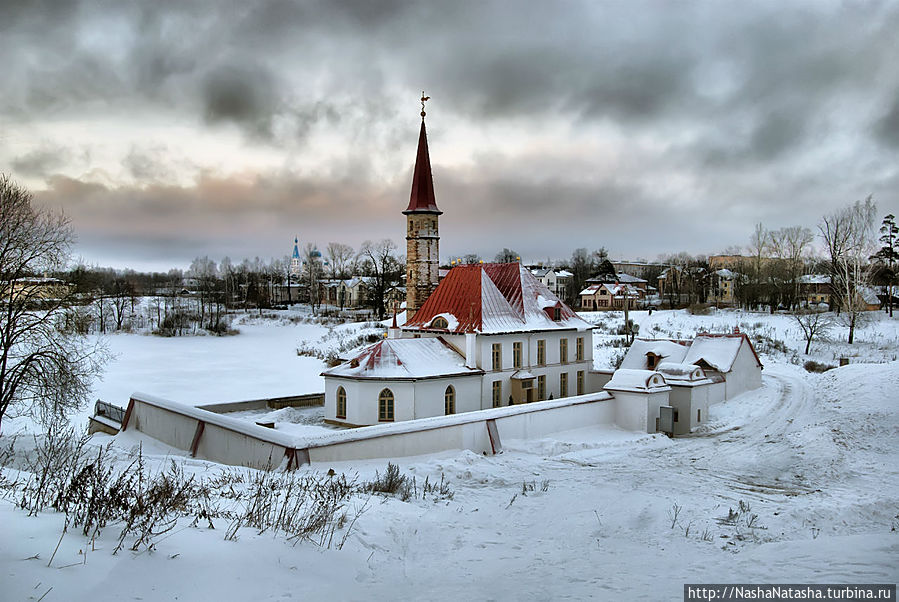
422,237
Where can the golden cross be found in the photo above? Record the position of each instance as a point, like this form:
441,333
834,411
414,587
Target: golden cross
423,99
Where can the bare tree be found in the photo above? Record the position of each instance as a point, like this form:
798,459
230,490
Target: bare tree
384,268
45,370
507,256
848,235
813,324
788,248
340,260
313,272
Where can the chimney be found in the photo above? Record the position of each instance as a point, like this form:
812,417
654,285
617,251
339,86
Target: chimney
471,350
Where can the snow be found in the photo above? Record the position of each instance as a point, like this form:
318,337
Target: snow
676,371
813,455
626,379
451,321
719,352
405,358
669,350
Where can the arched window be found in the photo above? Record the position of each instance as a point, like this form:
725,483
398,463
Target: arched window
341,402
385,406
439,322
449,401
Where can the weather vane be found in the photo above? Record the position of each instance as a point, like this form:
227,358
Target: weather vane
423,99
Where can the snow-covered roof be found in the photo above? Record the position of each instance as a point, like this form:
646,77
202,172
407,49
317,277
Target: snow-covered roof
814,279
674,372
717,350
628,279
869,295
405,359
522,375
670,351
643,381
724,273
495,298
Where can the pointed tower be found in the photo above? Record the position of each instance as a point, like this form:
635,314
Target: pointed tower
422,238
295,259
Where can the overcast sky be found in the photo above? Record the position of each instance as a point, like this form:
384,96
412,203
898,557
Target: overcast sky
168,130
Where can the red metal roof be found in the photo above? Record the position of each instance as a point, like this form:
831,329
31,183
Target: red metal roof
494,297
422,198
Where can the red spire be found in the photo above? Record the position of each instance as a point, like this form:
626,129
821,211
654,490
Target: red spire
422,198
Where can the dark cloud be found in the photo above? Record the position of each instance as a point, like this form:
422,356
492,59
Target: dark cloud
42,161
766,111
247,95
887,127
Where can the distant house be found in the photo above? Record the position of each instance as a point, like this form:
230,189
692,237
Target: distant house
814,289
610,296
620,278
556,281
640,269
723,287
37,288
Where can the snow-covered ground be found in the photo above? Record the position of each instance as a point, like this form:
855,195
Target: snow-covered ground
622,516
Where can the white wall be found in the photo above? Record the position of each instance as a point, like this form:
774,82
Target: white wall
412,399
636,411
227,447
167,426
688,399
552,368
429,395
467,431
745,375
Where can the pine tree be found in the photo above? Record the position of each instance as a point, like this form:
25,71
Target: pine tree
888,254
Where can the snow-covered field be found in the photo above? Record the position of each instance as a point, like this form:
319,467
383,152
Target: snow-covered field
594,513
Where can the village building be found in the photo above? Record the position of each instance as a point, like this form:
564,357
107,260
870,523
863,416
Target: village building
620,278
723,287
488,335
610,296
556,281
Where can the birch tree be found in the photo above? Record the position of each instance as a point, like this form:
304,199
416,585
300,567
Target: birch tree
46,370
848,235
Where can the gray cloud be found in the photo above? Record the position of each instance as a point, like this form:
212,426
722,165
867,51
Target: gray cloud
887,127
244,94
766,110
42,161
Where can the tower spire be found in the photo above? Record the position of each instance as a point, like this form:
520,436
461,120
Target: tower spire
422,238
422,198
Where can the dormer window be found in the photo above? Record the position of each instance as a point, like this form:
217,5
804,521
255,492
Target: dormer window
439,322
557,314
652,360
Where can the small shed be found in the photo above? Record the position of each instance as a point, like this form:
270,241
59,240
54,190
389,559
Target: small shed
638,396
691,394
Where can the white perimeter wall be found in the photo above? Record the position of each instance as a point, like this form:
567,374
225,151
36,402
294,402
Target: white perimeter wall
466,431
218,444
